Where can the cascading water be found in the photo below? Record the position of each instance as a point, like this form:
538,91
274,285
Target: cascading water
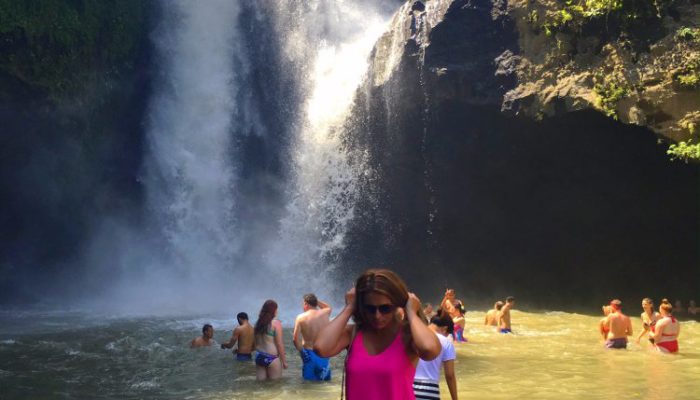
200,236
323,189
190,174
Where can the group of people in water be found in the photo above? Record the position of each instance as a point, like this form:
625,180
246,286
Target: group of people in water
395,346
660,328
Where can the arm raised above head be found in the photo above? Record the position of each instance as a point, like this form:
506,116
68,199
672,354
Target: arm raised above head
323,305
425,341
335,336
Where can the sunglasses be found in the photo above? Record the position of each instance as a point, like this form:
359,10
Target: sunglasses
383,308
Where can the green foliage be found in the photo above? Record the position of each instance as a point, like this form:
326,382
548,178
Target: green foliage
685,151
688,34
609,94
57,44
689,76
624,15
689,81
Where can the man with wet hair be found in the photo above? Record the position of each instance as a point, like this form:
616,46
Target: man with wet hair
306,327
492,315
426,384
504,316
619,326
207,338
244,335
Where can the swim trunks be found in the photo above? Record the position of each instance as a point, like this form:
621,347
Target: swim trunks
505,330
264,359
243,357
671,346
617,343
315,368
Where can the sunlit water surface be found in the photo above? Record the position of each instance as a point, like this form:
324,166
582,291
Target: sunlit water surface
552,355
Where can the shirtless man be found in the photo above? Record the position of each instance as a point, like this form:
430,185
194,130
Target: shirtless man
306,327
619,327
492,315
244,335
206,339
504,315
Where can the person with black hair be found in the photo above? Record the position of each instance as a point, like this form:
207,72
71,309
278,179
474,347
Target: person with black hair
426,384
243,334
504,316
207,338
306,327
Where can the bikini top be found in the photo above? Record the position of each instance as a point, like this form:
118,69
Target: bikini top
673,321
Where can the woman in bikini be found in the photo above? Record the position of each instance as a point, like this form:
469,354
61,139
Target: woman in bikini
386,341
459,323
665,337
270,358
649,318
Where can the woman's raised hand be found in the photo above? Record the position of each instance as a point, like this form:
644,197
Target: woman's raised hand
413,303
350,298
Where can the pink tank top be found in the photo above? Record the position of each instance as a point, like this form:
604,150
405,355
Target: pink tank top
384,376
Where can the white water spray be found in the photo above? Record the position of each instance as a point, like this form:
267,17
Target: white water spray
324,188
190,174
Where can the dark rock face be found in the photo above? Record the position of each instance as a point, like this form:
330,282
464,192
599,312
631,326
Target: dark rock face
62,164
573,208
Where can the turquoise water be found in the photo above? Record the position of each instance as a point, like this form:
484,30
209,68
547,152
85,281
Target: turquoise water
553,355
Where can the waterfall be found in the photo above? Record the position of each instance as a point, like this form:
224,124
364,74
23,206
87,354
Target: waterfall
190,174
242,86
333,43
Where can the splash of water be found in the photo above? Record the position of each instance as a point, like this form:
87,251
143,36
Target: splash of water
202,101
324,185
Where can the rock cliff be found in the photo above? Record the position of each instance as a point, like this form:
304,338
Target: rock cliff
636,61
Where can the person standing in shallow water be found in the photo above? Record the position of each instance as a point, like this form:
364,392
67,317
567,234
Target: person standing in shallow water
667,330
207,338
306,327
619,326
384,345
491,318
504,325
649,318
243,334
270,358
426,384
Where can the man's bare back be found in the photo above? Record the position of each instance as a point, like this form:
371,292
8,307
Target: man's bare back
243,334
309,323
619,324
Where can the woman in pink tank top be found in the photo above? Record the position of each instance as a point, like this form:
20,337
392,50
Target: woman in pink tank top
389,336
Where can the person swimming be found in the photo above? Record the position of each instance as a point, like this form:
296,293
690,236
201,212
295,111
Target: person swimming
207,338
